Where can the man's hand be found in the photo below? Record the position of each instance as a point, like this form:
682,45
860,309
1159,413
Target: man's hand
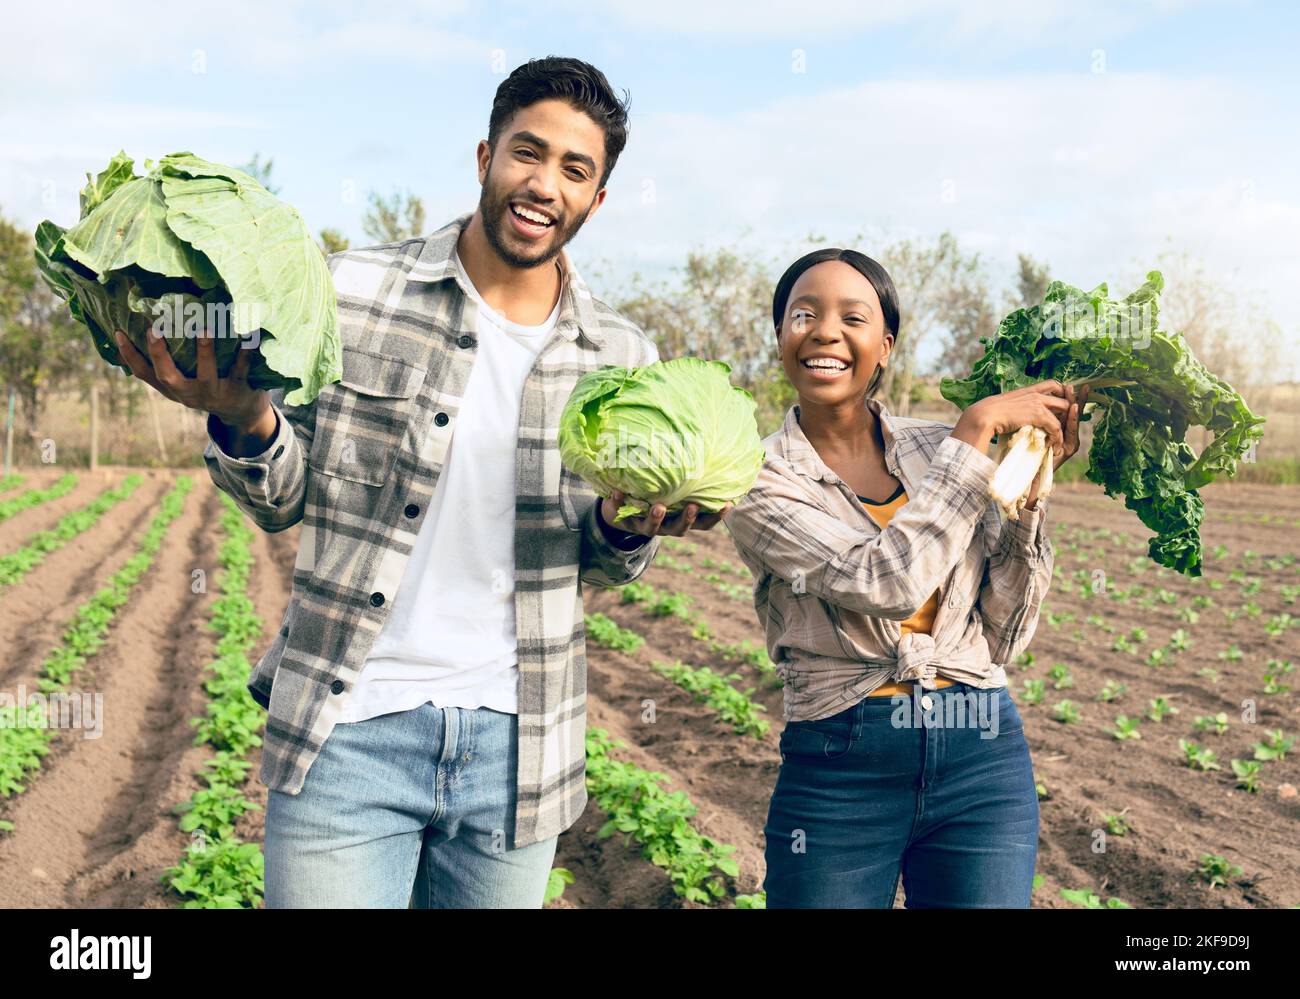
231,399
655,521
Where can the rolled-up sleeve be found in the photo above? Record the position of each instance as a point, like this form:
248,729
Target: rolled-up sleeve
889,574
604,563
270,487
1016,579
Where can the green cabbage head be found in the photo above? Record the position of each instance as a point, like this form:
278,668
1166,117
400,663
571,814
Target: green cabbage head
673,432
194,246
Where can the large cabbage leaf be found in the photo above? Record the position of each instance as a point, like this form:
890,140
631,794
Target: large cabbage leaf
673,432
1149,390
188,238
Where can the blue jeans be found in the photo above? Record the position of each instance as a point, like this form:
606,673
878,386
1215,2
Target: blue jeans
412,809
861,800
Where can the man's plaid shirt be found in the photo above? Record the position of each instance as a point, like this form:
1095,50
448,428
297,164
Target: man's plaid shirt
358,466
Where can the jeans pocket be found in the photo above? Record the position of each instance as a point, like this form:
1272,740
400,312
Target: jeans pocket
821,739
1009,719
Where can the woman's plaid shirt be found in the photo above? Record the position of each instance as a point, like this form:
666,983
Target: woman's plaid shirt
830,587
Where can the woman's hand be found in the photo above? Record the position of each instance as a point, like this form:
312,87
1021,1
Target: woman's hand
1070,439
655,520
1044,405
1070,426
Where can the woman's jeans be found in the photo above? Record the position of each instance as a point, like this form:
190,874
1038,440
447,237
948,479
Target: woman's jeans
862,798
413,809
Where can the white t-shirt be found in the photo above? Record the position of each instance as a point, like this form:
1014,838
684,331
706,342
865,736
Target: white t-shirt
450,636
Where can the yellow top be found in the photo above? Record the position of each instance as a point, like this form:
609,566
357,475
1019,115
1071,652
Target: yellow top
923,619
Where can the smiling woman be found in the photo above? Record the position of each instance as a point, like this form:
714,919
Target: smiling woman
881,568
871,309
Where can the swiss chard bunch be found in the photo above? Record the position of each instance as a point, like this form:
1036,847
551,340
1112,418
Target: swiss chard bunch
1145,391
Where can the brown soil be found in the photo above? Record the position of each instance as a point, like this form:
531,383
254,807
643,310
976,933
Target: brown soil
1176,813
96,827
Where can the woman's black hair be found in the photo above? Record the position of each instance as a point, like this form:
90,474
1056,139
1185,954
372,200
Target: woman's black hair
868,268
579,83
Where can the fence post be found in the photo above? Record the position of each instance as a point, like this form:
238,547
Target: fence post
94,428
157,426
9,434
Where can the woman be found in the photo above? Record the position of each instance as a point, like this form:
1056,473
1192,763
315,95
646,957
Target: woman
892,596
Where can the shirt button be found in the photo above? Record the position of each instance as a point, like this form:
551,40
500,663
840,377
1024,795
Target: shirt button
927,702
466,341
336,687
278,451
411,510
441,419
376,599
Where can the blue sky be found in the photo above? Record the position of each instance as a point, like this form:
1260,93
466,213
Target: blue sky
1093,136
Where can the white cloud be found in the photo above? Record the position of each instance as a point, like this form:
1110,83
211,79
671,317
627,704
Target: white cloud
66,48
1097,175
63,64
1006,23
43,164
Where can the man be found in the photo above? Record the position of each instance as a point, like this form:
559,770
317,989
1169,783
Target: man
426,692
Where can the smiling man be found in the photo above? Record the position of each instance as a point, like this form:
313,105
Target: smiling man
427,689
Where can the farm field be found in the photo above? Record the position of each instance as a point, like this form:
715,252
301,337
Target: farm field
95,823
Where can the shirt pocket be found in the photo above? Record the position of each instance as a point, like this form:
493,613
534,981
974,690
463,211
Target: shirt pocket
366,412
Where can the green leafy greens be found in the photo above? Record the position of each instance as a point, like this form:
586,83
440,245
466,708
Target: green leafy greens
194,245
673,432
1149,390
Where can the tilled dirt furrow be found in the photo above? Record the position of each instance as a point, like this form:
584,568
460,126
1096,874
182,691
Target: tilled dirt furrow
98,814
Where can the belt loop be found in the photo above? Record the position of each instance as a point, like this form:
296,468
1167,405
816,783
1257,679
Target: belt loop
450,733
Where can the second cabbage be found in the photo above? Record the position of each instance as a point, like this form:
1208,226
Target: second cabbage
673,432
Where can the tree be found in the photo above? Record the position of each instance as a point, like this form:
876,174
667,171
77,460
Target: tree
261,172
40,343
971,318
1227,334
332,241
17,271
939,288
1032,280
393,220
971,315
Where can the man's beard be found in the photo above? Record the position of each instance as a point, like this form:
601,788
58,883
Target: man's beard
493,210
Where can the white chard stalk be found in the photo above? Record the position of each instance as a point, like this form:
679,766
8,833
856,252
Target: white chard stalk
1025,457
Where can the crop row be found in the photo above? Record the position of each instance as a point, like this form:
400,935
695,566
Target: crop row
219,870
659,821
17,564
25,730
35,497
